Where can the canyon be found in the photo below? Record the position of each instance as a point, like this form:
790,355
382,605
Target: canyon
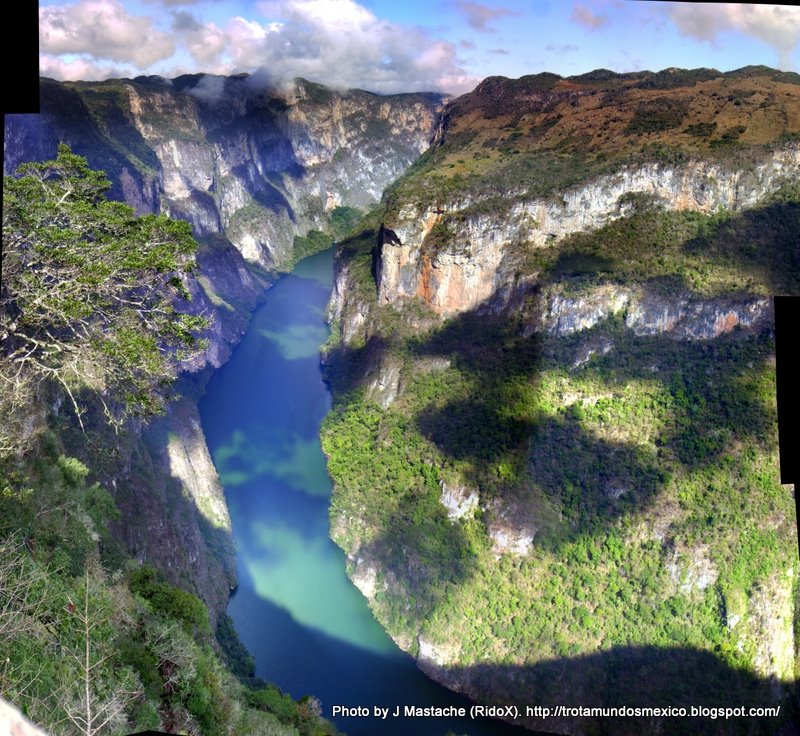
552,429
250,167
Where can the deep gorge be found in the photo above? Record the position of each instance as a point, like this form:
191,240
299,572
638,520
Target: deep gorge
295,609
549,363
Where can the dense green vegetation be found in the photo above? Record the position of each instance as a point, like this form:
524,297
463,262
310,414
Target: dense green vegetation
342,221
93,642
78,617
647,472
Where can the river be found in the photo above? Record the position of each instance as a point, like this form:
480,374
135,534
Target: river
309,628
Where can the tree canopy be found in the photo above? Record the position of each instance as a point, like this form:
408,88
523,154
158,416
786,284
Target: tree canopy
89,292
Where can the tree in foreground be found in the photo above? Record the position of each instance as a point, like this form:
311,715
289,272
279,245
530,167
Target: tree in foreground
88,295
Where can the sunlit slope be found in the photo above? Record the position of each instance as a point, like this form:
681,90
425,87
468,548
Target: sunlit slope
540,133
562,488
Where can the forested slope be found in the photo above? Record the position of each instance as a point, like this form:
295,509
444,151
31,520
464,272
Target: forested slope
92,338
554,436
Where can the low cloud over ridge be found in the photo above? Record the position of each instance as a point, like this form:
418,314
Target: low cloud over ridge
336,42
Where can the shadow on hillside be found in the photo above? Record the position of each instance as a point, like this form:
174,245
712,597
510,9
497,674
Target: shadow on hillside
640,677
346,368
671,252
262,191
719,392
119,149
711,396
763,241
590,480
423,553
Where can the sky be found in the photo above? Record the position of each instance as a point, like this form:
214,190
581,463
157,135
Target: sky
390,46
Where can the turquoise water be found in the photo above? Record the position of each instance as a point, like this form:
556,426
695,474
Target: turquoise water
309,628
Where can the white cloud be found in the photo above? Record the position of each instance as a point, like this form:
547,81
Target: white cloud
340,43
102,29
341,15
205,42
209,89
776,25
336,42
55,68
588,18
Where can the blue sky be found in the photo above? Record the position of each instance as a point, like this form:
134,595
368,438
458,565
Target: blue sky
407,45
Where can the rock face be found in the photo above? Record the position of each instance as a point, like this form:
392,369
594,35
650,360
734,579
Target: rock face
384,382
682,316
249,168
225,291
770,619
458,500
174,514
481,252
229,155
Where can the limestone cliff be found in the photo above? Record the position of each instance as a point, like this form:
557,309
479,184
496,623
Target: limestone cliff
482,252
230,155
646,312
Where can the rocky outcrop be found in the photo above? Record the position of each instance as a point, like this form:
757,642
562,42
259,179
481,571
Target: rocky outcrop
364,574
769,624
383,381
345,310
433,658
458,500
560,311
225,291
697,319
511,528
455,258
692,570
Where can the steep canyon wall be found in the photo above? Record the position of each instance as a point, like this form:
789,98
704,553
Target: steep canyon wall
249,167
